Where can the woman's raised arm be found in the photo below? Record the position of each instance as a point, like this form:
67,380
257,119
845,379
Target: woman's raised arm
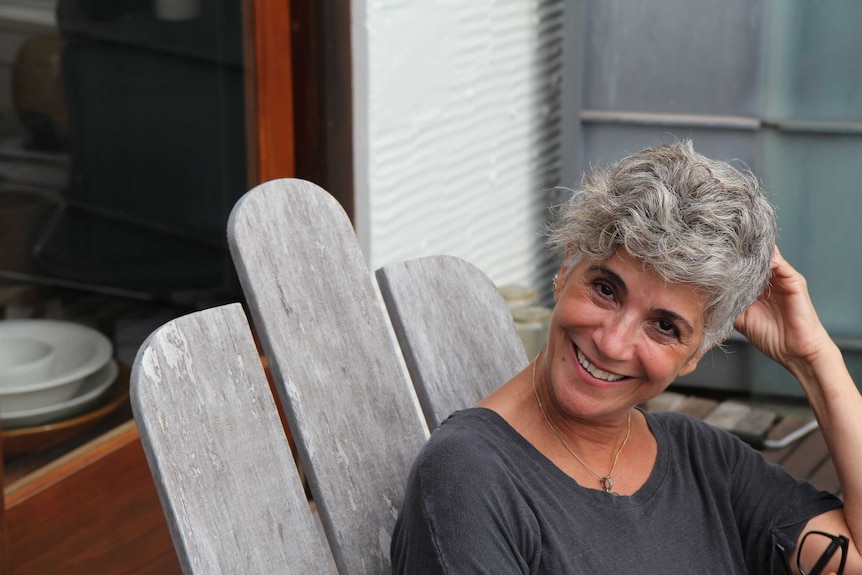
784,326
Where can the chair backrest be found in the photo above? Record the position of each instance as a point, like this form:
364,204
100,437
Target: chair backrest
208,422
222,466
334,360
455,330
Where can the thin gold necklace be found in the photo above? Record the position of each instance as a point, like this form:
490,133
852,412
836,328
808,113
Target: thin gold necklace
606,481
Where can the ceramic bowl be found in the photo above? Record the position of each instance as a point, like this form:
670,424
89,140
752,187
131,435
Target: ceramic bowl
24,361
79,351
92,389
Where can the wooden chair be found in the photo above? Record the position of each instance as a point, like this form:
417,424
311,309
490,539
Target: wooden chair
455,330
339,372
223,469
336,365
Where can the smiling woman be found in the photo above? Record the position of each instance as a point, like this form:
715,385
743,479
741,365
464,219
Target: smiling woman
663,254
618,327
691,219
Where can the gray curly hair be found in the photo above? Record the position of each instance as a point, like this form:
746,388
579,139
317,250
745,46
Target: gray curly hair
689,218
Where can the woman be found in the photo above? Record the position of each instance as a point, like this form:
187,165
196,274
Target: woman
558,472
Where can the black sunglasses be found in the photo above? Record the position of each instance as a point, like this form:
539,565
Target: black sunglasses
818,538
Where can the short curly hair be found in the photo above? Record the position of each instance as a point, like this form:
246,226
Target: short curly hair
691,219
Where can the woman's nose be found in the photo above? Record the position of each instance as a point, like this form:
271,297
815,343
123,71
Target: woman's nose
616,338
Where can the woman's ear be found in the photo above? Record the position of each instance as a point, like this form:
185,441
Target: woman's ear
559,280
562,274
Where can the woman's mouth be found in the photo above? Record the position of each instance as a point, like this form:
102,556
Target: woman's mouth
594,371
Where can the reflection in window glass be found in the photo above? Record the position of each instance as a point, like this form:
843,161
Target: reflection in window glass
122,147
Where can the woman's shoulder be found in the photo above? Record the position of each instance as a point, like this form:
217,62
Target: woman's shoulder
464,496
675,423
475,440
697,438
473,430
687,427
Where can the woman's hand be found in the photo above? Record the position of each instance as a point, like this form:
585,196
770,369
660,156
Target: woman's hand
782,323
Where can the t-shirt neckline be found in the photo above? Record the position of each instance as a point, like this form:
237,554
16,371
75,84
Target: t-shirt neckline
653,483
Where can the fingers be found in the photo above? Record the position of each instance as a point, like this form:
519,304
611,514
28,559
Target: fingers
785,278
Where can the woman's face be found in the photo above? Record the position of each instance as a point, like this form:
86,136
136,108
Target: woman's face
619,335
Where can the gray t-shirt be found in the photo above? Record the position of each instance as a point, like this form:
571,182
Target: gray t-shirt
481,499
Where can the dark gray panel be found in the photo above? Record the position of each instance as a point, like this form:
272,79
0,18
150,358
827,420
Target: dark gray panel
814,178
673,56
814,66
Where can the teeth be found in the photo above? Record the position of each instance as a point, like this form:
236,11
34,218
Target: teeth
596,372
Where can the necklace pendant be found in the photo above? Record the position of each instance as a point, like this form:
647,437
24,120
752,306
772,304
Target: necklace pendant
607,484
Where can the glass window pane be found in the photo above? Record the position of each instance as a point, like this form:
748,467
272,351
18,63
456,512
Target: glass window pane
123,137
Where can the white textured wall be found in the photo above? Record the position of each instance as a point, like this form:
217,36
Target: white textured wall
457,129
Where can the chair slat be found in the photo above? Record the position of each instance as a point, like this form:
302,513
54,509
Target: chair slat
219,455
343,383
455,330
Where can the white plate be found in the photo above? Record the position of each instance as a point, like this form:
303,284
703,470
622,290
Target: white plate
79,351
93,387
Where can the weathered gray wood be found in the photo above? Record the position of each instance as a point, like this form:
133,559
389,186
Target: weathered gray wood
694,406
807,456
220,459
741,418
335,362
455,330
665,401
785,427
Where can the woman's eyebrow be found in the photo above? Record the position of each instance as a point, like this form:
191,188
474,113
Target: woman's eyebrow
611,275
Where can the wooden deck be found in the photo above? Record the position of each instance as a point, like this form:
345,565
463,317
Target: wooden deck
805,458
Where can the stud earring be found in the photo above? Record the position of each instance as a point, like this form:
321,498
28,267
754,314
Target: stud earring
554,284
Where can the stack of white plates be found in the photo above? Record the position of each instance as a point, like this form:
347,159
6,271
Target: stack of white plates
51,370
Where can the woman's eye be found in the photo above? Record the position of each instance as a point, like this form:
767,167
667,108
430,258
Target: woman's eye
667,327
605,289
